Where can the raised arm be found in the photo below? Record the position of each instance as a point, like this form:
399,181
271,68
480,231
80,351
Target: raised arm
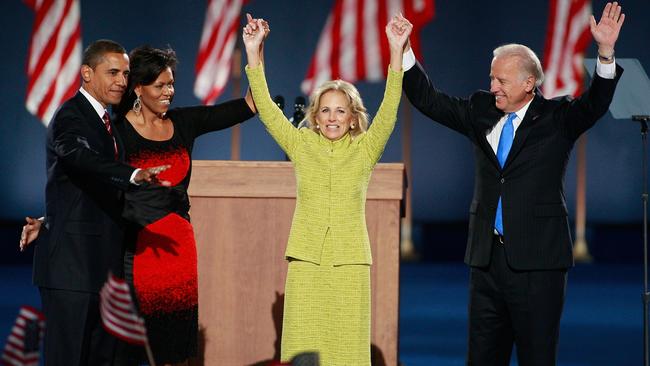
282,131
265,26
254,34
398,31
583,112
606,31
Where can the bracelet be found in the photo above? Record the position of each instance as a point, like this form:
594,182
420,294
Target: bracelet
609,58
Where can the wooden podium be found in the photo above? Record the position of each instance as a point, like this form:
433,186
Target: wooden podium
241,212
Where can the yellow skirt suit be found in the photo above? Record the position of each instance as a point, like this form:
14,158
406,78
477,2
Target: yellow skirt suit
327,291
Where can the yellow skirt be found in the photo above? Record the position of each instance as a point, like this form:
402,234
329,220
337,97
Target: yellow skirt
327,310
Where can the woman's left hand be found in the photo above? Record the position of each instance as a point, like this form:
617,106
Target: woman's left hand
398,31
254,33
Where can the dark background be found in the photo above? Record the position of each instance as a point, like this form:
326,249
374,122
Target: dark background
456,47
601,324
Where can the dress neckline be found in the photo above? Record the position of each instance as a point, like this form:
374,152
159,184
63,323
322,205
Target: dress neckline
147,139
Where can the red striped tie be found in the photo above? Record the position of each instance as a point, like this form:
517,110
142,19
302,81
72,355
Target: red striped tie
107,124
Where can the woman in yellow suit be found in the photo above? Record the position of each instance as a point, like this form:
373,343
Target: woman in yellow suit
327,292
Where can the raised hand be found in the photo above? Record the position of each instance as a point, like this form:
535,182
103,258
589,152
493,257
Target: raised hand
253,35
606,31
253,22
398,31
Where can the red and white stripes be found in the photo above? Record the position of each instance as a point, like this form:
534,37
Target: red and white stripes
567,38
352,45
22,347
54,56
118,312
218,40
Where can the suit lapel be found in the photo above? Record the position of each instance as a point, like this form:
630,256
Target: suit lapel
532,114
90,115
485,123
95,122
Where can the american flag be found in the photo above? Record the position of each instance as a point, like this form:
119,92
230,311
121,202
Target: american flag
567,38
22,348
353,46
54,56
119,316
218,40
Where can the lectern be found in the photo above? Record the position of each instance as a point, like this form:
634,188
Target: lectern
241,212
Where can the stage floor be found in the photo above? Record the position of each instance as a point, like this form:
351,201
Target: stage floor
601,325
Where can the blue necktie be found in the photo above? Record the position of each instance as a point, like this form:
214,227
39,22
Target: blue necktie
505,143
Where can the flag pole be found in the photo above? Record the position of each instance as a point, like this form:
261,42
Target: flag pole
116,302
147,348
235,77
580,248
407,250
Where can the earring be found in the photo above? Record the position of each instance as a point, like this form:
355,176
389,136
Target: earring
137,106
352,126
318,127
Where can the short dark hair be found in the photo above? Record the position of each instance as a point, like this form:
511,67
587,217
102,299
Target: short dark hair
146,64
94,53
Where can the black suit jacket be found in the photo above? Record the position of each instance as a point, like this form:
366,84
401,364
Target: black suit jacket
536,226
85,234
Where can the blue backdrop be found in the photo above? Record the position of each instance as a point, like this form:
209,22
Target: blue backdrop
457,48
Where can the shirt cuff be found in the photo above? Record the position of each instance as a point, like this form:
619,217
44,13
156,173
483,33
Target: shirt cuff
408,60
606,71
132,179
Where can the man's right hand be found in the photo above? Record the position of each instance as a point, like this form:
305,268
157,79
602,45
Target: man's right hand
30,231
150,175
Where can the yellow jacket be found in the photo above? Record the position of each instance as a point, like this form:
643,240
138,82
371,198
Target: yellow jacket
331,176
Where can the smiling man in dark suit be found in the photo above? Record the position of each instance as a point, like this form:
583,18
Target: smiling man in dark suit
519,245
85,233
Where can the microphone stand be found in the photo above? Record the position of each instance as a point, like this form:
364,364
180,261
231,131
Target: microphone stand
644,196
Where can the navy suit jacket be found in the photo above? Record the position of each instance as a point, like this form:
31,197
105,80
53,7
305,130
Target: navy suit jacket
85,232
535,220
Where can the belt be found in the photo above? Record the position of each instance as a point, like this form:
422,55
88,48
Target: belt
498,239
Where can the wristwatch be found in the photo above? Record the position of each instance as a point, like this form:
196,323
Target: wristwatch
609,58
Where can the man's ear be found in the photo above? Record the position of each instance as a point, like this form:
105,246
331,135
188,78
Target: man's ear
530,83
86,73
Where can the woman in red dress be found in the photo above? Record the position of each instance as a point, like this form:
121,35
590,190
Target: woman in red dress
160,258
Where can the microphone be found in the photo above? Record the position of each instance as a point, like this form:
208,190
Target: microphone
298,111
643,120
279,101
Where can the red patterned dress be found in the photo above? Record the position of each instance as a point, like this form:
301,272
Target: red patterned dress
160,259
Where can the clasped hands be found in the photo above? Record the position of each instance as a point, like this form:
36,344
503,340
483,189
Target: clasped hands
256,30
150,175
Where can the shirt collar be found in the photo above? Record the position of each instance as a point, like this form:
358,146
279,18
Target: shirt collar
522,112
97,106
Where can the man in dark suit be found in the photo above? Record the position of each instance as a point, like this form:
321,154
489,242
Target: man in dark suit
85,233
519,245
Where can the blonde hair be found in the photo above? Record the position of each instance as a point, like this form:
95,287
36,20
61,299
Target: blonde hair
359,112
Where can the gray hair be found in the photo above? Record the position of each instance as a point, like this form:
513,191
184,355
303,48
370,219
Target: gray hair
528,60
